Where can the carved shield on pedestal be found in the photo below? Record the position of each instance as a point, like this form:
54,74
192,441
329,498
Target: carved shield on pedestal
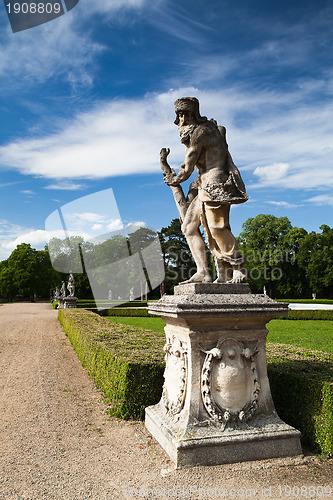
229,382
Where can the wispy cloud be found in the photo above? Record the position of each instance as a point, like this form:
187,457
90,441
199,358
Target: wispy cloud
50,50
63,48
123,137
283,204
116,138
134,226
322,199
28,192
36,237
272,173
66,186
10,233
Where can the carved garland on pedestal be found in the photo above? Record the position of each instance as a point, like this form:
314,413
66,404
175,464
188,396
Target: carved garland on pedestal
176,363
229,348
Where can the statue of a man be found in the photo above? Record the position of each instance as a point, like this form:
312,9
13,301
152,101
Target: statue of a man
217,186
63,290
71,285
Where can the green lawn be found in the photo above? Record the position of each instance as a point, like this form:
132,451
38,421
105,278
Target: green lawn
315,335
155,324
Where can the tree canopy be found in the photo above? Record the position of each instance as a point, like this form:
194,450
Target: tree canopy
288,261
27,272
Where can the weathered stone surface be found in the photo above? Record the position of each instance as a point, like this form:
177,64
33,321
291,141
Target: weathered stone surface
218,185
212,288
216,405
208,304
69,302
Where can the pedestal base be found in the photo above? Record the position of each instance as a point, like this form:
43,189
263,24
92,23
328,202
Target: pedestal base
216,405
267,439
67,302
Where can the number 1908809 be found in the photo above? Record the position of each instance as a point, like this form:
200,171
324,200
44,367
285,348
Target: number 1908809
33,8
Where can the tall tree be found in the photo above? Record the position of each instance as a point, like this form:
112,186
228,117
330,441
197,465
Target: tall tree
178,261
316,261
270,245
27,272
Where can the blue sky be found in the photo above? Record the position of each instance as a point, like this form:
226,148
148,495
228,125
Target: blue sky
87,102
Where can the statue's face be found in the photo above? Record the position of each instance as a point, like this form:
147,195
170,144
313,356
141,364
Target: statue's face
185,118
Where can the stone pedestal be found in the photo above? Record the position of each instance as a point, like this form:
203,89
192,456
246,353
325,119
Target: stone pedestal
216,405
70,302
67,302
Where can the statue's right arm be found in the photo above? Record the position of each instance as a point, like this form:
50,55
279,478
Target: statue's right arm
191,157
186,169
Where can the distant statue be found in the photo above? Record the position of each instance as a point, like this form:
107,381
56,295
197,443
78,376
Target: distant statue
63,290
56,293
265,291
71,285
314,296
218,185
131,297
110,294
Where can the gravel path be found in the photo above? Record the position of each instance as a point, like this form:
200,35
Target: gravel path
58,442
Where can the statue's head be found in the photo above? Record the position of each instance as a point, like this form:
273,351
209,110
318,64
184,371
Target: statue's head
189,107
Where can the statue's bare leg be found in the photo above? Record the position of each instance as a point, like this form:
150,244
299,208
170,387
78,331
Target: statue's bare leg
224,271
190,228
217,217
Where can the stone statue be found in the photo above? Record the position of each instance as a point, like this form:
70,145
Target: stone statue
217,186
131,296
71,285
63,290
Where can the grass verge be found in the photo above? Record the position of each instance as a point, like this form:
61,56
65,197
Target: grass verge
306,334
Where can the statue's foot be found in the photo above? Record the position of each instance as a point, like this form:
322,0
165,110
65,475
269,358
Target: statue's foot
220,280
198,277
237,277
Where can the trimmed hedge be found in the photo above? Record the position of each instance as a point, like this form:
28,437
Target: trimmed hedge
301,383
90,303
125,362
142,312
127,365
133,312
320,314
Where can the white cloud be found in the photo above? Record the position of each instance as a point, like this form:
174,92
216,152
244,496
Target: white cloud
66,186
123,137
322,199
12,235
134,226
115,225
85,217
52,49
116,138
110,6
62,47
283,204
37,238
271,173
28,192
